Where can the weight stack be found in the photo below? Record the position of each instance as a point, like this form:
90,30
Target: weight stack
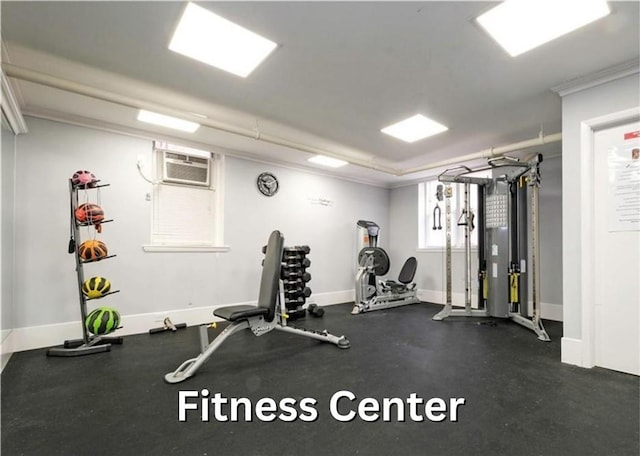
295,278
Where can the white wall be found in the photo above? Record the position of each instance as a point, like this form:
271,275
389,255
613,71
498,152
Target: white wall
7,161
578,107
161,283
430,275
7,183
550,213
330,230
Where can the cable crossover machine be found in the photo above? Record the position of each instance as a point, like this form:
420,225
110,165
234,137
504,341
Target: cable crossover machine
503,244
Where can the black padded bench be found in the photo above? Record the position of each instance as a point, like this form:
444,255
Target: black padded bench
261,319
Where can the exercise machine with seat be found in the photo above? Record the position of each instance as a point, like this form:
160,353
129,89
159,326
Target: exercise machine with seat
267,316
374,262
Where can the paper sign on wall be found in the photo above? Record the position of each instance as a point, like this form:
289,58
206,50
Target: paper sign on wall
623,163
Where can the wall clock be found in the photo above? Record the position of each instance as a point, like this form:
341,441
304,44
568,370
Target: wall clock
268,184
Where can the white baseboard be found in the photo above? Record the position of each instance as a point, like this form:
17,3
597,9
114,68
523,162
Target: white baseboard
333,297
4,359
551,311
436,297
6,349
571,352
34,337
440,297
4,333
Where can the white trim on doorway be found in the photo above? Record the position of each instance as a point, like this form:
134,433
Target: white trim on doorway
583,354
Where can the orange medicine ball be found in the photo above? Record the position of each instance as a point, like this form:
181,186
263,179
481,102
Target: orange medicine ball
89,213
92,250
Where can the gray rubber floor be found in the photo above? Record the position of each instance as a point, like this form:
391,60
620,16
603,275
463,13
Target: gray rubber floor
520,400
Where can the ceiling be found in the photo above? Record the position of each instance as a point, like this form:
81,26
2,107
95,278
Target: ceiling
341,72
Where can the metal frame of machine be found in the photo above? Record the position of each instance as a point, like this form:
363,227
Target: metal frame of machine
373,262
502,241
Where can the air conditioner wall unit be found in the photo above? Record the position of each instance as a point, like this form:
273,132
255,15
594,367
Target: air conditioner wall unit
182,168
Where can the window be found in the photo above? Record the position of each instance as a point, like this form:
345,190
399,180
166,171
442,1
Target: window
187,200
430,238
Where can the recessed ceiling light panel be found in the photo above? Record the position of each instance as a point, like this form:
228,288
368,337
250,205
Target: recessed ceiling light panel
167,121
414,128
328,161
521,25
216,41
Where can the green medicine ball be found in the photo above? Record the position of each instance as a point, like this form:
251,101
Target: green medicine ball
102,320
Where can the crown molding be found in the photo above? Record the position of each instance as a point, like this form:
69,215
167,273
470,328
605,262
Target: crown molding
588,81
11,108
10,97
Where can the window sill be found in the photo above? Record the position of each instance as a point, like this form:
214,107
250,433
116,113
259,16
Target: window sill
185,248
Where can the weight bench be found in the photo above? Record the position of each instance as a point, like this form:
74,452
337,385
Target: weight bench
261,319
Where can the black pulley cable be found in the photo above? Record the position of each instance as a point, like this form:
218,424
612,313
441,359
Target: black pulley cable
437,210
72,243
439,197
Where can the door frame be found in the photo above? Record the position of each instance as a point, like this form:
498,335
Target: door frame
587,272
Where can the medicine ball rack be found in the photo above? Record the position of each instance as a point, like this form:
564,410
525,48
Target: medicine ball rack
89,344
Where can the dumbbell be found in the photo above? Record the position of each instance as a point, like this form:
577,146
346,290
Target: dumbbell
293,290
314,310
293,284
299,301
293,256
286,249
305,263
296,274
306,292
294,314
297,249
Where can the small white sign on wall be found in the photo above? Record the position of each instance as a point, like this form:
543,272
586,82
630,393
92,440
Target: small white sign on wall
624,184
318,201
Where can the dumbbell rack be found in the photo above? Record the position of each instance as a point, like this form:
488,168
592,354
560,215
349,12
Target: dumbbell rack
89,344
295,278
